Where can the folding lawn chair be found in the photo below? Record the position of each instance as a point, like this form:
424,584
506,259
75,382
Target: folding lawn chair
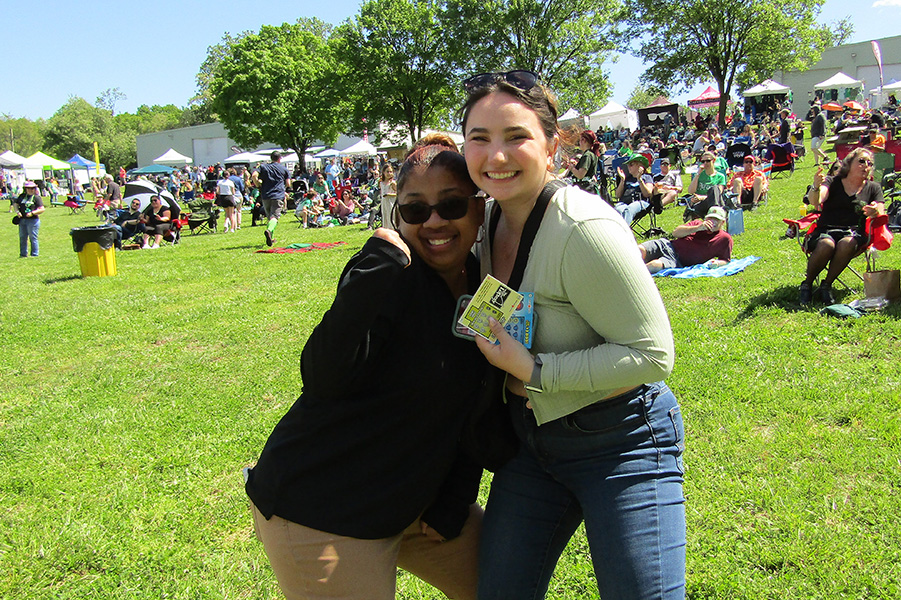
203,216
782,156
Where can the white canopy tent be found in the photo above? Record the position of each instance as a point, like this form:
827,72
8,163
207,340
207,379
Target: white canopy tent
327,153
361,147
570,118
251,158
837,81
171,158
766,88
11,160
614,115
37,163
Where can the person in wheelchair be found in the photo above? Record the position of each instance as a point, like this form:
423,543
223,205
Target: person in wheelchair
845,201
748,184
634,190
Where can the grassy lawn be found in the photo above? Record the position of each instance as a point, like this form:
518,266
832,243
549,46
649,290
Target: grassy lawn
129,405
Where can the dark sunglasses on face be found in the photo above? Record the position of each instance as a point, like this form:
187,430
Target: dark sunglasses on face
521,80
416,213
865,161
707,160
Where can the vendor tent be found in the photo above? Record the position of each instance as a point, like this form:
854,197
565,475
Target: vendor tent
37,163
151,169
709,97
571,118
838,81
11,160
361,147
172,158
613,115
246,158
767,87
327,153
655,114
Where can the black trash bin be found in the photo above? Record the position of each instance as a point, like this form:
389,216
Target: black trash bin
96,249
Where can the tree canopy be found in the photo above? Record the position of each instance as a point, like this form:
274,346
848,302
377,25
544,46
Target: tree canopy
565,42
730,41
275,86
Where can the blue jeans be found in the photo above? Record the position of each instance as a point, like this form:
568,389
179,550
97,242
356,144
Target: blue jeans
28,231
628,211
616,464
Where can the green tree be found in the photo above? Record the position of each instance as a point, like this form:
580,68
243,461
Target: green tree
566,42
643,95
730,41
841,31
74,128
275,86
21,135
109,98
397,66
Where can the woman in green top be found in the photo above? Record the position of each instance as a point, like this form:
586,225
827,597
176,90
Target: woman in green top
584,168
706,187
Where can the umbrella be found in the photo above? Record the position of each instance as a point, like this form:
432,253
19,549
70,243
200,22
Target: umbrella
143,190
853,105
831,106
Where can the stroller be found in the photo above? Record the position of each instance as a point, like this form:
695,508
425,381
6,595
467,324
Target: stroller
782,156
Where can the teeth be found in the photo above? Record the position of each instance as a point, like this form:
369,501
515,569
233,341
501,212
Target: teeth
505,175
438,242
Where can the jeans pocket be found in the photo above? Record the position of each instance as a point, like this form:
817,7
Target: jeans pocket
675,417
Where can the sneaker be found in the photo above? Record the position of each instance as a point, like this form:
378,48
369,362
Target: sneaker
145,247
154,247
804,294
826,295
268,235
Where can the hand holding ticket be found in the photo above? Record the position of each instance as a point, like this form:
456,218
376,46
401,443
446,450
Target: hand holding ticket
492,299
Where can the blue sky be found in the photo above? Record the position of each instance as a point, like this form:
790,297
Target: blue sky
151,51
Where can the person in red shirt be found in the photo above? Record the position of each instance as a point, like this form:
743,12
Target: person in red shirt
695,242
748,184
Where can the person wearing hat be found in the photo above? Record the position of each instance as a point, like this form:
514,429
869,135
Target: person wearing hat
667,184
696,242
784,126
28,206
748,184
634,190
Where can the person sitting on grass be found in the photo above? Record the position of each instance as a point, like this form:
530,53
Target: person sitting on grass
695,242
845,202
748,184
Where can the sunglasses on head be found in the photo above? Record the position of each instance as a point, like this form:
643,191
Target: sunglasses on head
865,161
521,80
416,213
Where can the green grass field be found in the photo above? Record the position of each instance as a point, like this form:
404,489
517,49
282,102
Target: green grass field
129,405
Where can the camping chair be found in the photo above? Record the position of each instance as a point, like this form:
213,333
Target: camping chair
203,216
613,176
173,236
650,229
782,156
75,207
735,154
674,154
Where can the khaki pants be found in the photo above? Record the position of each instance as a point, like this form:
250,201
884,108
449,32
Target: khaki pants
313,565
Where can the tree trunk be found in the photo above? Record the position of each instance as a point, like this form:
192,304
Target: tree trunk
724,98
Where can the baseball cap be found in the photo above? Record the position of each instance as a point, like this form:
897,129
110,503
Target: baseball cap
639,159
664,161
29,184
716,212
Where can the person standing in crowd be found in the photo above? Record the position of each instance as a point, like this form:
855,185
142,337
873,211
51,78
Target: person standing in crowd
784,126
601,435
225,197
113,194
818,135
239,194
365,472
29,207
272,180
388,194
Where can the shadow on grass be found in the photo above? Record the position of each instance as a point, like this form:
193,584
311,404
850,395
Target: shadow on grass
786,298
62,279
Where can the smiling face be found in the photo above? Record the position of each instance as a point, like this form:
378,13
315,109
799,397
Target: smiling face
442,244
507,151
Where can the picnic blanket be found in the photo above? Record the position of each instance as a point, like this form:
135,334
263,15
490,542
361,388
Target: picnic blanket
294,248
704,270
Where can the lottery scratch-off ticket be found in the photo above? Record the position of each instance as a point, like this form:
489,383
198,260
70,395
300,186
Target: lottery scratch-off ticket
492,299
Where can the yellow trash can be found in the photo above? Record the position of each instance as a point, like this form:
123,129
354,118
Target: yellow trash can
96,250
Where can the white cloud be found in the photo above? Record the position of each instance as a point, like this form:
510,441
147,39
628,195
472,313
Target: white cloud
880,3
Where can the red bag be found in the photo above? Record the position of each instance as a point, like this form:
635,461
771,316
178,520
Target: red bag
880,236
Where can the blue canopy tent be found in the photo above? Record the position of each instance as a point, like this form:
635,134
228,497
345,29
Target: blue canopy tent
80,163
152,169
